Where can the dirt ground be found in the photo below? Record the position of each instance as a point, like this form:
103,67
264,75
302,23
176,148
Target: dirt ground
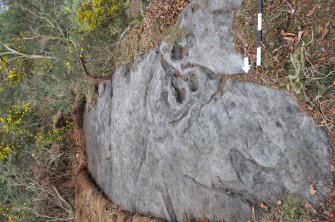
93,206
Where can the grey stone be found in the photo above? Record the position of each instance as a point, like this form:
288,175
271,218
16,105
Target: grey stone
208,39
168,144
166,138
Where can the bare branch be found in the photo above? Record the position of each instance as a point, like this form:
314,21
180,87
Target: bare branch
45,216
29,56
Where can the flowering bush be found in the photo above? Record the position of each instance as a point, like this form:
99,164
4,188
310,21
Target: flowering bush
5,149
12,76
96,13
11,215
18,129
50,137
12,126
14,117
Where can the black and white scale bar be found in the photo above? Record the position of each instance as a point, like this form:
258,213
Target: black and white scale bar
259,33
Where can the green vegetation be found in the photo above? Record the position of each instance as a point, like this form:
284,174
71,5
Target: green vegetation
97,13
293,210
41,77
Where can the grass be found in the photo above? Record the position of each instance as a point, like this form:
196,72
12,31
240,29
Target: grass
293,210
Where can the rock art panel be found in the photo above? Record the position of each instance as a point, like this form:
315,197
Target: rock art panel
169,138
166,143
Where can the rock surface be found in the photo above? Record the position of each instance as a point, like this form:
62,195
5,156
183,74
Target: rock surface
207,39
169,139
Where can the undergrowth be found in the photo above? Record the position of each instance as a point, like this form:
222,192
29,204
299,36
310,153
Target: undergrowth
43,45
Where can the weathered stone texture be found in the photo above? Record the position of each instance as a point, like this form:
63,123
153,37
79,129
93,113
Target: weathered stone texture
165,139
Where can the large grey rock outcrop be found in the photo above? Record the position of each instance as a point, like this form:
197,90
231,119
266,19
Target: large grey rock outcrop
169,138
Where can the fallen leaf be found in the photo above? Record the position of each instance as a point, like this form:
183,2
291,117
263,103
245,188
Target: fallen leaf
300,34
324,32
332,168
320,28
308,205
290,34
307,32
275,50
322,59
312,189
264,206
290,41
282,32
279,203
311,12
327,25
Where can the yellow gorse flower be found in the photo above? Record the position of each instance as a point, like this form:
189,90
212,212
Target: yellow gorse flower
5,149
95,13
13,214
11,124
52,136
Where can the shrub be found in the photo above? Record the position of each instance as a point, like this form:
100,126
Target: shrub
97,13
47,138
12,129
12,74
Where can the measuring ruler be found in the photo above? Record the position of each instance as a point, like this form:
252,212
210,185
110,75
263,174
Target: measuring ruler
259,34
246,66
